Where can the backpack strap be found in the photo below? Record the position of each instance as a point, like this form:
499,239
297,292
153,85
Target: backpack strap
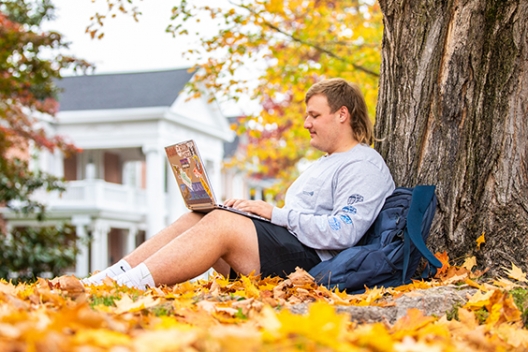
421,199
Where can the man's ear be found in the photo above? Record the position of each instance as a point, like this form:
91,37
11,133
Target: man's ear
343,112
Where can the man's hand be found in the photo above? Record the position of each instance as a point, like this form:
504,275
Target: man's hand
258,207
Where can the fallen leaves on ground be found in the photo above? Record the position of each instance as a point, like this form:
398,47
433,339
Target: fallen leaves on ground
253,314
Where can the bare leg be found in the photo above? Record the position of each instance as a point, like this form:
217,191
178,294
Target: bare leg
153,244
148,248
219,235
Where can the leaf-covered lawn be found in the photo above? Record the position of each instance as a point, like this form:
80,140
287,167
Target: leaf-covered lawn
252,314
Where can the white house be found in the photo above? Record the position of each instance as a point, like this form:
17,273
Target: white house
120,190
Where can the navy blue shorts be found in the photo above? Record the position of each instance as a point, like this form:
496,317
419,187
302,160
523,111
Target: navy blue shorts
280,252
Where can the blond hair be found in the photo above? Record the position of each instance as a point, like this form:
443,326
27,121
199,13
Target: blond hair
340,93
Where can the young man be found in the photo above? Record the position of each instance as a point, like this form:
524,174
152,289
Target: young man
327,209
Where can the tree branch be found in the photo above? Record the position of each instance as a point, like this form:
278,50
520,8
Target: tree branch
312,45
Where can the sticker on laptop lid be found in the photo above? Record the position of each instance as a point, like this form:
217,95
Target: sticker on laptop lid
185,163
197,172
206,187
183,150
187,181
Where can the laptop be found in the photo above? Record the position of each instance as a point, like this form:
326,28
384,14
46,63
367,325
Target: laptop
193,182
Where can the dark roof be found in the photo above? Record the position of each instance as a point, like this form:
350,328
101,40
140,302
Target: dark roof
120,91
230,148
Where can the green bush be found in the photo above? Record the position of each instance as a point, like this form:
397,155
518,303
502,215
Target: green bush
30,252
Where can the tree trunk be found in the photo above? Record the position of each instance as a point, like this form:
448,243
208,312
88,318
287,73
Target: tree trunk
452,111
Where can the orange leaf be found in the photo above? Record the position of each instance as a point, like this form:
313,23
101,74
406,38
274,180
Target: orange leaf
413,321
481,240
444,259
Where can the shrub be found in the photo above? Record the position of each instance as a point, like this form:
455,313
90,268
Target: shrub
31,252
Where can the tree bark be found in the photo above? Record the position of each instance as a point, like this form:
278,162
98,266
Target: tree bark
452,111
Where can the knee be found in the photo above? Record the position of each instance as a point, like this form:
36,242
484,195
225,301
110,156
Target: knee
190,218
220,216
229,224
192,215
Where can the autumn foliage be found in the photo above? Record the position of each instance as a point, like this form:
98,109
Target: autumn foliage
258,314
295,43
273,51
30,61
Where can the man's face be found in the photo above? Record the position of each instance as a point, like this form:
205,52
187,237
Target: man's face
322,124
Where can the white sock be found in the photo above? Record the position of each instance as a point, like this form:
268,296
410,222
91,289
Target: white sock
138,277
120,267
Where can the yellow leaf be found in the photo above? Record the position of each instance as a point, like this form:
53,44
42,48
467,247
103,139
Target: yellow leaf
270,323
321,317
481,240
373,337
231,338
478,300
516,273
8,288
101,338
250,289
126,304
469,263
275,6
514,336
371,295
472,283
505,283
410,344
167,340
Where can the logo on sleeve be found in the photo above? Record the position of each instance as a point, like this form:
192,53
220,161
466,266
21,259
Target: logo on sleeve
349,209
334,223
346,219
355,198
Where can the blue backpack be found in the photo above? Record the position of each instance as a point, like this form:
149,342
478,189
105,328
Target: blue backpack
390,251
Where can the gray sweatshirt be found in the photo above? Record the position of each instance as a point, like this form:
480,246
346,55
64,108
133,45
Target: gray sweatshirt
334,202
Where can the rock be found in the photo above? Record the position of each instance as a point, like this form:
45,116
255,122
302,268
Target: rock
435,301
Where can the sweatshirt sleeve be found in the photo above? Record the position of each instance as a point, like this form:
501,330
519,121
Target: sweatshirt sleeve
342,210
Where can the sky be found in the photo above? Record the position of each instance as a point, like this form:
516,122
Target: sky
127,46
130,46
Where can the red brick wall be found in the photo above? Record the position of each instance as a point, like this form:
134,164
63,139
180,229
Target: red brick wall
112,168
70,168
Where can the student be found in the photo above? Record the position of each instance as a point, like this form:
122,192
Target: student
327,209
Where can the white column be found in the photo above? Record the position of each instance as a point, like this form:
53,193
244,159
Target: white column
90,171
130,244
58,163
155,189
100,245
81,266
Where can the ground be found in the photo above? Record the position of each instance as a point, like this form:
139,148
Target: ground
458,310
